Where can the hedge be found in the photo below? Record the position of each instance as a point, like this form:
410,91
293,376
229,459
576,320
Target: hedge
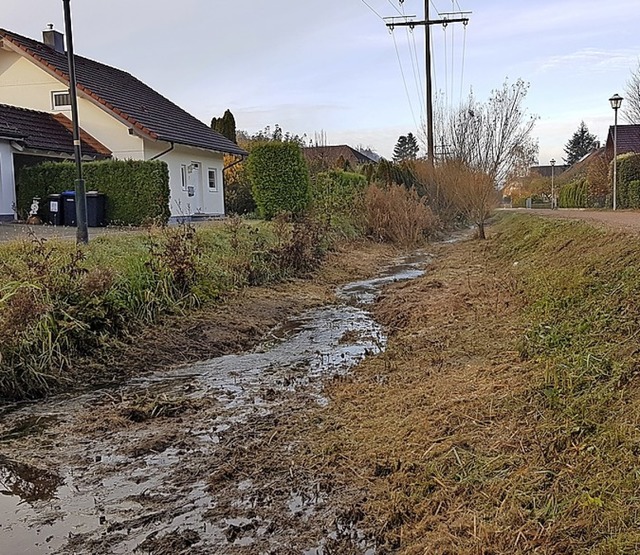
279,178
136,191
628,173
574,194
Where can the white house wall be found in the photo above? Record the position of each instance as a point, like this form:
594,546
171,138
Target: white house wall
204,200
7,185
24,84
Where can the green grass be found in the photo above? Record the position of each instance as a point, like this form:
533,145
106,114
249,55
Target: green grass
582,316
60,303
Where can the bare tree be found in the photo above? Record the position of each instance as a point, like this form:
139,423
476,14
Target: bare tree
631,108
472,192
493,137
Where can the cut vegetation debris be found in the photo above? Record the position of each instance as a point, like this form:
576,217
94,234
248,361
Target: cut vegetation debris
503,417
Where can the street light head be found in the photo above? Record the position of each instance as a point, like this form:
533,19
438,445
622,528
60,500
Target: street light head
616,101
552,162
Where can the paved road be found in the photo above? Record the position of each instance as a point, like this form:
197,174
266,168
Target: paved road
625,220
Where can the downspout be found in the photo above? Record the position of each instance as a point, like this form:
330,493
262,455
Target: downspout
163,152
242,158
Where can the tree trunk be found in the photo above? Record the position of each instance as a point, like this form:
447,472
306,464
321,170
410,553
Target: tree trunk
481,234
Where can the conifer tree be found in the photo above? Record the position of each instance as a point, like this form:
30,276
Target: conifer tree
406,148
226,126
581,143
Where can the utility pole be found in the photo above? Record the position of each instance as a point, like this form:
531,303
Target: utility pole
427,23
82,233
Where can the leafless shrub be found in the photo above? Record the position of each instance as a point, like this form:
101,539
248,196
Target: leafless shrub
398,215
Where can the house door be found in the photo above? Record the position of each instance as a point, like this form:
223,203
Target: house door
194,187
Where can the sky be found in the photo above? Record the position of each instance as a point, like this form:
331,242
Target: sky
332,67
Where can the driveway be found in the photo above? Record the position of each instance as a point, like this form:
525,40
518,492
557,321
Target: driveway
624,220
16,231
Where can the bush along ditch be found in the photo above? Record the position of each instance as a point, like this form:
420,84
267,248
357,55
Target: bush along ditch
62,305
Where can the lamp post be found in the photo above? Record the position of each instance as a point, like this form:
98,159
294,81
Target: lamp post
553,196
616,102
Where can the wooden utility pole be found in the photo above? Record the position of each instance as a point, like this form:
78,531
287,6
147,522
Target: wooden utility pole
427,23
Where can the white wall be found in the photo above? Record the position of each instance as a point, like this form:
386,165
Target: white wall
7,185
204,200
24,84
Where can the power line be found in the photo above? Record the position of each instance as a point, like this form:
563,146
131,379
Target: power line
445,19
374,11
396,8
415,65
464,52
406,88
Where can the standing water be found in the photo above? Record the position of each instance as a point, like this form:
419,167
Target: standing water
126,486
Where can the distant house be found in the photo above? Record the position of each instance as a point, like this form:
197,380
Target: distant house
546,171
628,140
125,117
326,157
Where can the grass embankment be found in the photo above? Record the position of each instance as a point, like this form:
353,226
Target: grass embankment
66,312
504,416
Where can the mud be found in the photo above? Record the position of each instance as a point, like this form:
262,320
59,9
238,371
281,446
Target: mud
201,458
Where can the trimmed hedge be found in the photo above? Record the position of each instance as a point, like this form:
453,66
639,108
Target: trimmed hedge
628,172
574,194
136,191
279,178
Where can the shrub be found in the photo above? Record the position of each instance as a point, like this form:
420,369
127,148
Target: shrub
574,194
398,215
136,191
337,197
628,171
279,178
237,188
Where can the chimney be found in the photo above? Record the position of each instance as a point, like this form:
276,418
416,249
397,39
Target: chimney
53,39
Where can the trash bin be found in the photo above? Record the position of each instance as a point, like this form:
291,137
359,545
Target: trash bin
69,208
54,210
96,203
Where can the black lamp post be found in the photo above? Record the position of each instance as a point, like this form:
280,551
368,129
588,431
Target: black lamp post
616,102
82,233
553,195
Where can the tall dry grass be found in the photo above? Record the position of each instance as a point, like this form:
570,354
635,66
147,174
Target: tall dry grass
398,215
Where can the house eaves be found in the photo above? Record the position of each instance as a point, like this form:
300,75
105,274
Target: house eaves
125,97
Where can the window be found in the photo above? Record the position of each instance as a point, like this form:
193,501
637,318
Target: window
183,176
213,179
61,100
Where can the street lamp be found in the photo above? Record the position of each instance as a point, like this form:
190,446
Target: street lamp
616,102
553,163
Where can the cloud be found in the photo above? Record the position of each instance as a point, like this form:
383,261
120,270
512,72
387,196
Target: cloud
589,61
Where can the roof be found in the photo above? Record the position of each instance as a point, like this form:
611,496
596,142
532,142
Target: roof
331,154
46,132
545,171
628,139
127,98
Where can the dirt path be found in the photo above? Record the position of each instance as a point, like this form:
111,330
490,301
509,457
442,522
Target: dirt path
202,458
624,220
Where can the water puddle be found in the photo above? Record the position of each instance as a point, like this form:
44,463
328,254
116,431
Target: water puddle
136,484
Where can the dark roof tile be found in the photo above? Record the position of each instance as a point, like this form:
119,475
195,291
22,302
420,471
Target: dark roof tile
46,132
130,98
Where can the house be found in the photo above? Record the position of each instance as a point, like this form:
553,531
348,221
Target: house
628,140
127,118
327,157
546,171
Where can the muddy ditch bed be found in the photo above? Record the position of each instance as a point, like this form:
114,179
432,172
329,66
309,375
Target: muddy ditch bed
202,458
